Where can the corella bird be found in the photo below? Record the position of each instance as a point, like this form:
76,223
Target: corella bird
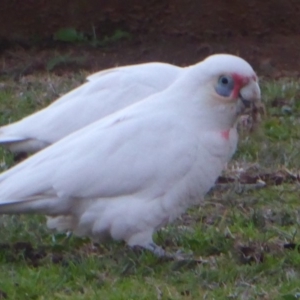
105,92
129,174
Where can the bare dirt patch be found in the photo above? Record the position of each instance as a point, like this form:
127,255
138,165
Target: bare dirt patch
272,55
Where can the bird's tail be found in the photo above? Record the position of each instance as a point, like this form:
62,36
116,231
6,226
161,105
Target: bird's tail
17,143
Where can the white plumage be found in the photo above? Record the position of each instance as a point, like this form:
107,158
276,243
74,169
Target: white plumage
134,171
105,92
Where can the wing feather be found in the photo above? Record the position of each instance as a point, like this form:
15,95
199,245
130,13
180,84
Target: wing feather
105,93
120,155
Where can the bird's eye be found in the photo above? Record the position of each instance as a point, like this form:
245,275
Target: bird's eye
224,80
225,85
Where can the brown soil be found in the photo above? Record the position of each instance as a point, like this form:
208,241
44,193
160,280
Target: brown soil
274,56
266,33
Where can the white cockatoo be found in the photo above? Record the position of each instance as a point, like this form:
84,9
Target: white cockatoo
136,170
105,92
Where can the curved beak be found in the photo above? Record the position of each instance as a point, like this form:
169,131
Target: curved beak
246,102
250,97
250,103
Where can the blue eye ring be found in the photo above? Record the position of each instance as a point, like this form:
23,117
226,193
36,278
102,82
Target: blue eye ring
225,85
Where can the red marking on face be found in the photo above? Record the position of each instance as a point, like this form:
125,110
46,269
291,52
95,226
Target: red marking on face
239,82
225,134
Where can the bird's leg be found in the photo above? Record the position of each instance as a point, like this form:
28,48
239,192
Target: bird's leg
143,240
156,250
161,253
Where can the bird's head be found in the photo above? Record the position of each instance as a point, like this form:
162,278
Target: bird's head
227,85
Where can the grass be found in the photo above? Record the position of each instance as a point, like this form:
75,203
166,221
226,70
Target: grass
71,35
244,239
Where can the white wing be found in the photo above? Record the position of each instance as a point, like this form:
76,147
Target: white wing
106,92
114,157
155,75
123,176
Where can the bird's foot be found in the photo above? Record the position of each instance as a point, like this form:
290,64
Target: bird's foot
161,253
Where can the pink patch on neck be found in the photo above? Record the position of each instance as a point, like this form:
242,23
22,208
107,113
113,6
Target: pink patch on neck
225,134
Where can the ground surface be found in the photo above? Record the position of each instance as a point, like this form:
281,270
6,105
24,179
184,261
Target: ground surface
182,32
244,240
272,55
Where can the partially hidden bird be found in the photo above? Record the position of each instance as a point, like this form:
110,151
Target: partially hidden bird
134,171
104,93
